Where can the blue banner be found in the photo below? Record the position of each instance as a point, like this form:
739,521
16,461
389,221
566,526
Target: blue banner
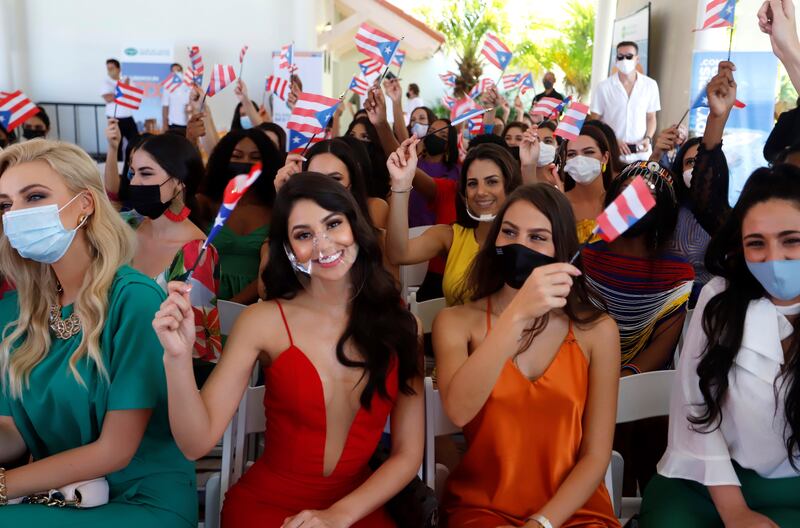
747,128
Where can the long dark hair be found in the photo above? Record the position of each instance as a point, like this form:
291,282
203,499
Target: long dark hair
379,327
344,152
485,275
378,178
724,315
236,122
613,147
277,130
512,177
681,191
602,143
451,153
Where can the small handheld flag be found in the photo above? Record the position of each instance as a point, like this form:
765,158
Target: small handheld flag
359,85
197,65
470,114
287,59
449,78
718,14
570,125
243,53
496,51
483,85
475,124
299,142
171,83
511,80
376,44
399,58
221,76
15,109
526,83
278,86
627,209
370,69
449,101
128,95
311,113
546,106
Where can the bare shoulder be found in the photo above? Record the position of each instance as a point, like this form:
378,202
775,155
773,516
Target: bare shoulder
461,316
599,337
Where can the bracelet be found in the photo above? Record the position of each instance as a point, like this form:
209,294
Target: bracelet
403,191
3,490
542,520
633,368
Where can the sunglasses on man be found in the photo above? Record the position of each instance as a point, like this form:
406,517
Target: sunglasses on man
626,56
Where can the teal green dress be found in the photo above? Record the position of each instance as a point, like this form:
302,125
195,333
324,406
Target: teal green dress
56,414
239,258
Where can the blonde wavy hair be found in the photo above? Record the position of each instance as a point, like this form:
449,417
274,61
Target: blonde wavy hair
111,244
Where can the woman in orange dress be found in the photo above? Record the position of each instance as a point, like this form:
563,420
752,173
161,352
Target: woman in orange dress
530,371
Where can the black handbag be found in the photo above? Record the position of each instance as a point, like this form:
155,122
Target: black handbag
415,506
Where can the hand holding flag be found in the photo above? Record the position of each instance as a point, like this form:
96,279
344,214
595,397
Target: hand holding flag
197,65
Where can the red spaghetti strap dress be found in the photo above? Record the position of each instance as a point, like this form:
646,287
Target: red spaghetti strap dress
288,478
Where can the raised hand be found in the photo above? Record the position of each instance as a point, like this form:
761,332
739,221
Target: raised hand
196,127
174,322
721,90
293,165
402,165
665,142
241,91
375,105
529,148
546,289
113,135
394,90
776,18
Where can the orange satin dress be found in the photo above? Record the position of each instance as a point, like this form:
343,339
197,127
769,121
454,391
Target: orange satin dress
522,445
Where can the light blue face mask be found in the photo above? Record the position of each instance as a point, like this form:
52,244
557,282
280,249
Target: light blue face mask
419,129
781,278
38,234
246,123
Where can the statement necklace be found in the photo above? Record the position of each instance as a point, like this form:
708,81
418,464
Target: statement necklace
63,328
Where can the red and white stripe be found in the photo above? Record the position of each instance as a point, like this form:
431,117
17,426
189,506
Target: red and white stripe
370,69
368,38
197,60
545,106
128,95
19,107
712,18
475,125
278,86
511,80
449,78
570,126
221,76
461,107
243,53
449,101
491,46
359,85
169,84
304,116
627,209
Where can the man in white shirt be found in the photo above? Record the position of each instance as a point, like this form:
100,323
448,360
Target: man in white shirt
174,103
628,102
122,114
414,101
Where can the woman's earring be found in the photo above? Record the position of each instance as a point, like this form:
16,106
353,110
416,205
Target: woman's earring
603,168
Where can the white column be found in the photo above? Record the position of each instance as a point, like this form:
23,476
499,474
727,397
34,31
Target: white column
605,12
304,22
7,20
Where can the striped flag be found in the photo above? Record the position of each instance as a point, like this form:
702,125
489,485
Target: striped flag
496,51
298,141
481,87
221,76
311,113
171,83
449,78
511,80
287,58
475,124
375,43
128,95
702,101
278,86
197,65
462,106
234,191
627,209
526,83
469,115
399,58
718,14
449,101
15,109
570,125
359,85
370,69
546,106
243,53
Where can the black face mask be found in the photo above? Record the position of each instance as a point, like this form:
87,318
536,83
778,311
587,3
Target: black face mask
547,84
236,168
435,145
641,227
3,143
146,199
32,133
514,152
519,262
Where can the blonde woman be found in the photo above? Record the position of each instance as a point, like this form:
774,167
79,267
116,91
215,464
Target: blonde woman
83,388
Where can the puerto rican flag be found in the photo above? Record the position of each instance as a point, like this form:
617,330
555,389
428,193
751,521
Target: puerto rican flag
469,115
399,58
511,80
359,85
298,141
546,106
719,14
526,83
15,109
128,95
171,83
570,125
278,86
376,44
449,78
475,125
243,53
233,193
221,76
496,51
628,208
462,106
311,113
197,65
370,69
449,101
481,87
287,58
702,101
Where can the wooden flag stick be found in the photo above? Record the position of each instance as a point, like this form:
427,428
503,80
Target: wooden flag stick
730,43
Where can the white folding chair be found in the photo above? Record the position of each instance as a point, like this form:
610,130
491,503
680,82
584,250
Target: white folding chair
228,313
641,396
412,275
426,310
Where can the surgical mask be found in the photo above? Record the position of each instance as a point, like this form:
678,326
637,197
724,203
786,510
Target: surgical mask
547,154
781,278
547,84
583,169
419,129
435,145
478,218
33,133
38,234
626,66
146,200
687,177
518,263
245,122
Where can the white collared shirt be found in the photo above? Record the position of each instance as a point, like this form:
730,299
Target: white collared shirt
113,109
752,429
176,101
626,115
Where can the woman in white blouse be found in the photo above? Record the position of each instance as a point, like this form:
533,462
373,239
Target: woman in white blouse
734,427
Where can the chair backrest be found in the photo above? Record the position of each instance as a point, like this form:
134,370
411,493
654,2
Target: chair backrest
413,274
249,419
228,313
426,310
436,424
644,395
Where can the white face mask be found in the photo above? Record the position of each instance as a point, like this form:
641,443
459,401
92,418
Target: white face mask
419,129
547,153
583,169
626,66
687,177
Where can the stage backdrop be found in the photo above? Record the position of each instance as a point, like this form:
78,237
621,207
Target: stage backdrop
147,64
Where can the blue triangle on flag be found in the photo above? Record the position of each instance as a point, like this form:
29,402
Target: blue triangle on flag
387,49
323,116
176,79
503,57
630,220
701,101
5,117
118,92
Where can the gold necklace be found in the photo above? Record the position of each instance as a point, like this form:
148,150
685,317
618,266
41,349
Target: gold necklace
63,328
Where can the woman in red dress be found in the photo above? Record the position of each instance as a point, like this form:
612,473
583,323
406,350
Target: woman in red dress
340,356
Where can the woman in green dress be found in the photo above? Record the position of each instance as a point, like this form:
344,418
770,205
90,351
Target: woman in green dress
84,404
